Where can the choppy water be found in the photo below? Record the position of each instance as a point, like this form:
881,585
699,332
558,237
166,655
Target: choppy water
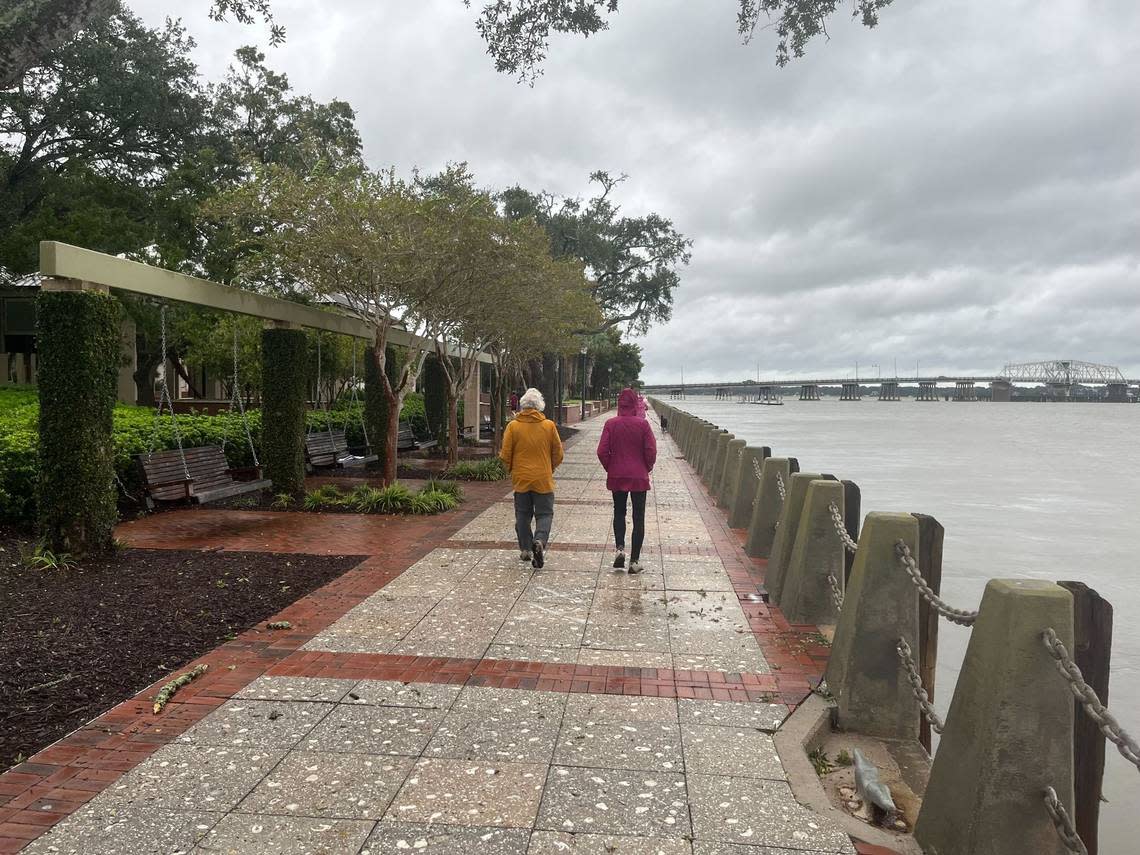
1046,491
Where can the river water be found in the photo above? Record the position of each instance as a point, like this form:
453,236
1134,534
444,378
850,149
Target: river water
1034,490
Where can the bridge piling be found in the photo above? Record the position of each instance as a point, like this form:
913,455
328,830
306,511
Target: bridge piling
809,392
851,392
964,391
889,390
927,390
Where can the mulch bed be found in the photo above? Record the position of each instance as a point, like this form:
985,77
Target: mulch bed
77,642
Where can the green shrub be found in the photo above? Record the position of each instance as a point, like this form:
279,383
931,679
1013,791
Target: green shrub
492,469
284,501
132,432
393,499
433,502
452,488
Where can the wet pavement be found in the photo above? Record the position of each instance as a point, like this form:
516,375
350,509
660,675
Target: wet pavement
299,760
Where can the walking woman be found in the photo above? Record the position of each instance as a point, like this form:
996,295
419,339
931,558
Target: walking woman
628,451
532,450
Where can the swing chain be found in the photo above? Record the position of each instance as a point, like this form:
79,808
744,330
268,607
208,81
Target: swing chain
165,397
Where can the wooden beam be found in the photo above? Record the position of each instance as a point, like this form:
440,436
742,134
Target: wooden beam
66,265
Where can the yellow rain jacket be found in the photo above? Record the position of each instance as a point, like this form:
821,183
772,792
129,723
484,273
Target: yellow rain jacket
532,451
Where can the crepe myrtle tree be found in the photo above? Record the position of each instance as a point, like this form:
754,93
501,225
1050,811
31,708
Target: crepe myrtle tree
356,234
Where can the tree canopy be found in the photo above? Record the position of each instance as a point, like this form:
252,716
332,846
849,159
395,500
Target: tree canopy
517,32
632,262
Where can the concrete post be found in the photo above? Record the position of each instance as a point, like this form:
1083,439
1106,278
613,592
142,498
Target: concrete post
762,528
708,452
784,539
1009,731
716,463
818,551
691,441
879,607
728,474
747,484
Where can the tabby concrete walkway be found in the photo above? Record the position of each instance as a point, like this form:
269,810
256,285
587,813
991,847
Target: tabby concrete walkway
442,696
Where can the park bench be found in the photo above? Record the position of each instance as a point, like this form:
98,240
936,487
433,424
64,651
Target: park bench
406,440
329,449
211,478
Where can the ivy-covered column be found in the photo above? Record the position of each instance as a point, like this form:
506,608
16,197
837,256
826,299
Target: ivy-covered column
284,353
79,352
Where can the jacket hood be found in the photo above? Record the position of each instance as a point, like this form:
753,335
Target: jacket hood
627,403
530,416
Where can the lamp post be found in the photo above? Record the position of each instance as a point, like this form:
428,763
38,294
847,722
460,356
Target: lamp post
583,383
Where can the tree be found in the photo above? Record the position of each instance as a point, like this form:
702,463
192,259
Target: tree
30,30
517,32
614,363
356,234
632,262
89,136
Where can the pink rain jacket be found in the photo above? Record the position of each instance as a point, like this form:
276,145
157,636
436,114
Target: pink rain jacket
627,449
642,406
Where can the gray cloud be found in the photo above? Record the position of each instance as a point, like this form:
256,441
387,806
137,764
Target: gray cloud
960,186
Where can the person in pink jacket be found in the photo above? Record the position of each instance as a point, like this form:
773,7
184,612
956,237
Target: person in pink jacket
642,405
628,451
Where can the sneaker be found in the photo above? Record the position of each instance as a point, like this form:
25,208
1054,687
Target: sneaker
634,567
536,558
619,559
524,556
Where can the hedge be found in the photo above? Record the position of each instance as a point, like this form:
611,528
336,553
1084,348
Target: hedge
79,355
132,430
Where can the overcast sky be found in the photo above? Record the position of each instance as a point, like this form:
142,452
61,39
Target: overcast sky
959,187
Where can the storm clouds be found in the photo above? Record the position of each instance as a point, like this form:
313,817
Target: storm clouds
959,187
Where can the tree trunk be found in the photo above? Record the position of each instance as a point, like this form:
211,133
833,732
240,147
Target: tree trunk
143,376
453,426
393,436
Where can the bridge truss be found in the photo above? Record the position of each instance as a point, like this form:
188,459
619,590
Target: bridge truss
1062,372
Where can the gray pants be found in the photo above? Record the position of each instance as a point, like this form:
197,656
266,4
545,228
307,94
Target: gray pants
540,508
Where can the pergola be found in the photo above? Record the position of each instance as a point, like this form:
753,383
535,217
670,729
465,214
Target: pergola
79,352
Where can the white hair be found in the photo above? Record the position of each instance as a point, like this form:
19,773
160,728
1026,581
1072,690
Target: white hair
532,400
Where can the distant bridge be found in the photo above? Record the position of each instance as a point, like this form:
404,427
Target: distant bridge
1058,375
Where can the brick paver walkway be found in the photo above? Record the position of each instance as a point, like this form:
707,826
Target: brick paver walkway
442,696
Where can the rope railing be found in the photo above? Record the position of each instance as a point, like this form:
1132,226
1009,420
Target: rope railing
1087,696
1063,824
836,517
906,659
907,562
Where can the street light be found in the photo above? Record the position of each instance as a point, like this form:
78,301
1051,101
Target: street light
583,382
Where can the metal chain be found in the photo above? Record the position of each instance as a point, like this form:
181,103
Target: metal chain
780,487
920,695
756,467
1084,693
958,616
165,397
1063,824
841,529
836,593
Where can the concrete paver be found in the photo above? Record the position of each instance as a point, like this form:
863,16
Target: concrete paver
321,758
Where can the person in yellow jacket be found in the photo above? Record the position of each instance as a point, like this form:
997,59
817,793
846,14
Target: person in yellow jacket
532,450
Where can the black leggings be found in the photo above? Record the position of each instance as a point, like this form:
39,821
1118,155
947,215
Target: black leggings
638,521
